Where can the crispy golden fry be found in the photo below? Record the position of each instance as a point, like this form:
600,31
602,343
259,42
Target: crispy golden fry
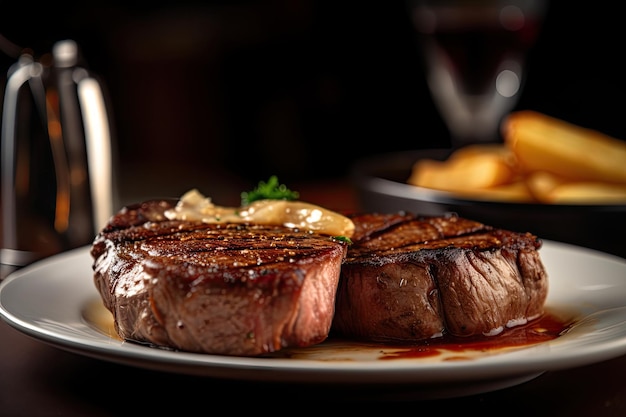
588,193
477,167
551,189
496,150
541,184
543,143
542,159
514,192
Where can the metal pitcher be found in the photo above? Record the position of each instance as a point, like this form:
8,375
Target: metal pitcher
57,172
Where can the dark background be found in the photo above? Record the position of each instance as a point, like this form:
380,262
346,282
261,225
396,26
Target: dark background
300,89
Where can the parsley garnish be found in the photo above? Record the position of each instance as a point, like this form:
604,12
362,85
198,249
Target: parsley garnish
270,190
343,239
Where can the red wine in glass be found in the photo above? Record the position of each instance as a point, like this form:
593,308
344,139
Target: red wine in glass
474,56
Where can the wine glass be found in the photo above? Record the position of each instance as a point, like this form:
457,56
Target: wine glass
474,54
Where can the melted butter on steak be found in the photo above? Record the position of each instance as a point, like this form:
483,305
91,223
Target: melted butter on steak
193,206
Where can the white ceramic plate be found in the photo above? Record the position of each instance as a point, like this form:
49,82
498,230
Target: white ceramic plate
48,300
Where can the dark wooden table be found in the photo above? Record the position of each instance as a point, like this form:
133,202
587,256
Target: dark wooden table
37,379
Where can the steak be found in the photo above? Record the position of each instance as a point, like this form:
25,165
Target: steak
409,278
231,289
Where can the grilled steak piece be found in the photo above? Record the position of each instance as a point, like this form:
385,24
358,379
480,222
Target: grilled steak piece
231,289
409,278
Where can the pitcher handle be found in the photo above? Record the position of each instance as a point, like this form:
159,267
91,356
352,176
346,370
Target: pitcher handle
99,155
10,256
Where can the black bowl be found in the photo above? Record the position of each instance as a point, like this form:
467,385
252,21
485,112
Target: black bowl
381,185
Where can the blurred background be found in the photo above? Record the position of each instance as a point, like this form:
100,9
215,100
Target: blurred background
231,92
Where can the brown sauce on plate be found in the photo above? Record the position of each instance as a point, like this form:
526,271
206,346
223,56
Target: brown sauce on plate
543,329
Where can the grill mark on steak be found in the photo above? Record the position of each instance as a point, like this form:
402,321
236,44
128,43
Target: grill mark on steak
409,278
233,289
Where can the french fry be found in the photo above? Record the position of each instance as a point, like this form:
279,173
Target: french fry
513,192
541,184
588,193
463,172
542,159
496,150
550,189
544,143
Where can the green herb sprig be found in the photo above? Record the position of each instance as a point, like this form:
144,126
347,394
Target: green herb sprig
270,190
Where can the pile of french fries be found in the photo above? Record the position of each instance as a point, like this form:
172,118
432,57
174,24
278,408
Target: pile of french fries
541,160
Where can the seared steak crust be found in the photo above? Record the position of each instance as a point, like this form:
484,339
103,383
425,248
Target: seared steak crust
232,289
409,278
